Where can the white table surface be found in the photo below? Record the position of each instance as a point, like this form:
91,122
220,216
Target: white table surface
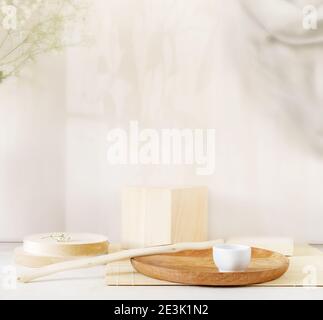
89,284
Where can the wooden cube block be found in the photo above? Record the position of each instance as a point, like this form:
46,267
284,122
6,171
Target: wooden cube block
161,216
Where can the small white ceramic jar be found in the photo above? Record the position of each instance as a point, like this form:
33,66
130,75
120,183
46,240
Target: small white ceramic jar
231,258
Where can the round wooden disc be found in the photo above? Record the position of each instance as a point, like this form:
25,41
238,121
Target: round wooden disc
25,259
76,245
198,268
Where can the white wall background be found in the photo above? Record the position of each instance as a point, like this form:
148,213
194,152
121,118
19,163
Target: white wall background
32,135
167,64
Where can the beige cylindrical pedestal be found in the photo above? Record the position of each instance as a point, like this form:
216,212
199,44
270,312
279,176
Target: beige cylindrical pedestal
45,249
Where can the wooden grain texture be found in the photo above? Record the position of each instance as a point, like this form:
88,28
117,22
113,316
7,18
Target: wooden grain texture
163,216
197,268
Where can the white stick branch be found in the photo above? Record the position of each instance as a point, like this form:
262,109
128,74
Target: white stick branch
103,260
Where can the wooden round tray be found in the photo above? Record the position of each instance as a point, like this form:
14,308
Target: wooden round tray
198,268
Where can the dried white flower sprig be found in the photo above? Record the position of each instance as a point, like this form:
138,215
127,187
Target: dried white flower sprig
59,237
32,27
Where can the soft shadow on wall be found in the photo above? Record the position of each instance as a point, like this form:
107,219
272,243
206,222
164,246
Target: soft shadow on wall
166,64
182,64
